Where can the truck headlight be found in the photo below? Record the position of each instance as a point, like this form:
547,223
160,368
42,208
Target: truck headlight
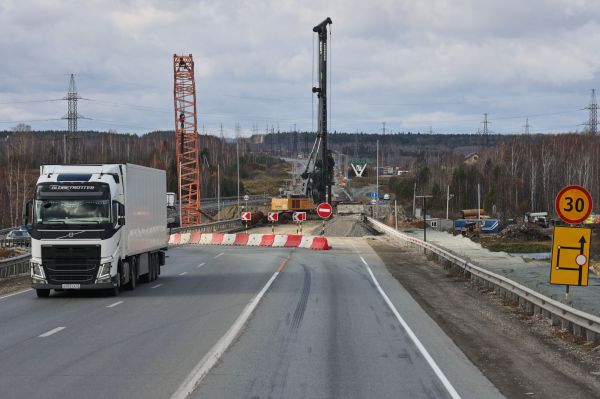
37,271
104,272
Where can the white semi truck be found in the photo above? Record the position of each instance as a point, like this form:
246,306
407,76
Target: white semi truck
97,227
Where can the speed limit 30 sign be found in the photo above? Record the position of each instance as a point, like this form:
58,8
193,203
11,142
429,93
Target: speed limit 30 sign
573,204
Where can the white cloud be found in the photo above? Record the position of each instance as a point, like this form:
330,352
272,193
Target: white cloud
254,59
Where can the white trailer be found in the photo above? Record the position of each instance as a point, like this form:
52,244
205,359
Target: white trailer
97,227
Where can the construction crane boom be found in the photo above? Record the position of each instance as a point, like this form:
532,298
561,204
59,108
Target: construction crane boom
186,138
318,175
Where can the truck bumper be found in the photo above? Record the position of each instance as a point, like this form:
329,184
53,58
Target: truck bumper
96,286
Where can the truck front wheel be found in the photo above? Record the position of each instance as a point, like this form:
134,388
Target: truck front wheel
132,275
42,293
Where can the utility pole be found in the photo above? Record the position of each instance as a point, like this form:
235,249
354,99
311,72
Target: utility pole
424,214
485,124
237,152
527,126
593,118
448,197
218,192
478,203
377,181
383,128
72,115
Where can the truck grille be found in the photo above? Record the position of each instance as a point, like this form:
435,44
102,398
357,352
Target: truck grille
64,264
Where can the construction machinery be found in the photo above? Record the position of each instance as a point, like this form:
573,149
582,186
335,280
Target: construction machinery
186,136
317,177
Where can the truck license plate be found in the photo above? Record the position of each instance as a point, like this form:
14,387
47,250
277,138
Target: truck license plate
71,286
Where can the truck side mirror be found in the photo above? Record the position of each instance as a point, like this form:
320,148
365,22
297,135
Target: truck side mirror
26,212
121,219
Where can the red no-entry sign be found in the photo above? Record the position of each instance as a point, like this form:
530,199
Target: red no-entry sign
324,210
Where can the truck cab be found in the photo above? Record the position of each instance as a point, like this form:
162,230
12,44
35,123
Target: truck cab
82,236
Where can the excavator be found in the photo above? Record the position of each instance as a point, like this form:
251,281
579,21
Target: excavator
316,179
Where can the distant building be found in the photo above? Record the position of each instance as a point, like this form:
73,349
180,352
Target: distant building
472,158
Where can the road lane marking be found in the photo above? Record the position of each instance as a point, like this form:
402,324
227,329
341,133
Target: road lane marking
51,332
200,265
183,274
214,354
216,256
156,286
15,293
114,304
282,264
438,372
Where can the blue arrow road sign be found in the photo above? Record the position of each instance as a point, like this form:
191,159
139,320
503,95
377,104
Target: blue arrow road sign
373,195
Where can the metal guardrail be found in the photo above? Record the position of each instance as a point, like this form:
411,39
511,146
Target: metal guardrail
576,321
210,227
19,265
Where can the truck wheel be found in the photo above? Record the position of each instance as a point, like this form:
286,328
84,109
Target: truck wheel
155,267
132,276
42,293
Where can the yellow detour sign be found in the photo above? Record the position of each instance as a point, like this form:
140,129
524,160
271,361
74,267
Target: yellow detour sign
570,256
573,204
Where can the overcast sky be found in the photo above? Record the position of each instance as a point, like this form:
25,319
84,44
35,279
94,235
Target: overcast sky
415,64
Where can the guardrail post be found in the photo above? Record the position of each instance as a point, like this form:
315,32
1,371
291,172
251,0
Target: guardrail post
590,335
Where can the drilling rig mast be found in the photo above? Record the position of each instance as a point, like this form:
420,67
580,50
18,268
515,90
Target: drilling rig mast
186,138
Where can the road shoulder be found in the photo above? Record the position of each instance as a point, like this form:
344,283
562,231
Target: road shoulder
520,355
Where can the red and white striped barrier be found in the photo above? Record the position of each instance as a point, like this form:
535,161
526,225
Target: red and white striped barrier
251,240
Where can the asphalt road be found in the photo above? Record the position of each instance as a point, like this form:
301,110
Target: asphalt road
322,330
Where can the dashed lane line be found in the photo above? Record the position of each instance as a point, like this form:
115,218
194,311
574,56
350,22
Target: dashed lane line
214,354
112,305
183,274
156,286
221,254
200,265
51,332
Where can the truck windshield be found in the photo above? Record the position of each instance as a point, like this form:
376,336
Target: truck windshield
83,211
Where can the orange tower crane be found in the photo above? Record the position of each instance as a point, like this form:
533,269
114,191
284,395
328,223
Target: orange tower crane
186,138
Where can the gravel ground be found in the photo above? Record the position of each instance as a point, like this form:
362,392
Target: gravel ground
535,275
345,226
522,356
14,284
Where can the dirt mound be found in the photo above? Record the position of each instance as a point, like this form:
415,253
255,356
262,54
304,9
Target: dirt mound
524,231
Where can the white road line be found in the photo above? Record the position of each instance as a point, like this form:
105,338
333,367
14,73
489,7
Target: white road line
183,274
51,332
438,372
222,253
156,286
112,305
15,293
214,354
200,265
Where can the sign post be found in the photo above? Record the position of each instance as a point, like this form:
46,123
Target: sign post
571,245
246,217
324,210
299,217
273,217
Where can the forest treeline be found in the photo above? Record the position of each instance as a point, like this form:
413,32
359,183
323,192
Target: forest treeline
516,176
22,151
